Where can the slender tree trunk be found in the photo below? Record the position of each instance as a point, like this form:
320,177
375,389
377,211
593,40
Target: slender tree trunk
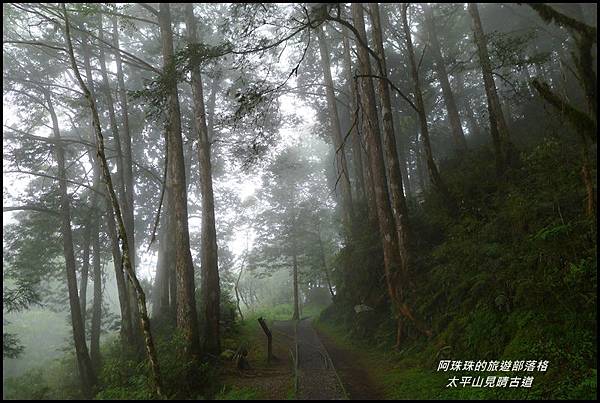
296,315
474,129
85,266
236,288
210,107
127,184
126,319
434,173
117,210
472,125
355,121
126,140
187,320
457,132
125,315
95,332
84,364
502,142
403,152
97,304
323,262
210,288
336,134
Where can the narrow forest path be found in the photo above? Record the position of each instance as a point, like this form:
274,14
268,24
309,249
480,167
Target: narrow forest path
327,370
317,377
351,366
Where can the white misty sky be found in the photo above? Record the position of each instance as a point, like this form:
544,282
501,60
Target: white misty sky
245,185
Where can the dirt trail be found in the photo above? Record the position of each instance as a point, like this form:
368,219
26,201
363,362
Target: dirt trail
317,378
350,367
325,370
323,364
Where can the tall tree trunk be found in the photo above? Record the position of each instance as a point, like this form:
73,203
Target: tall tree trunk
502,142
162,309
398,201
296,315
472,125
126,317
84,364
97,303
85,266
434,173
117,210
355,121
403,152
126,140
210,288
94,343
237,284
323,262
393,263
420,170
457,132
371,204
474,129
210,107
187,320
336,134
127,185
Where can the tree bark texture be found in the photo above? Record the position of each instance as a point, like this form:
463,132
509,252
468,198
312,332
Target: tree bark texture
454,119
187,320
500,134
398,201
355,119
210,288
391,255
336,134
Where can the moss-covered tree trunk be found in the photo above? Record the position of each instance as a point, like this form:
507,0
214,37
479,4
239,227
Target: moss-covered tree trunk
101,158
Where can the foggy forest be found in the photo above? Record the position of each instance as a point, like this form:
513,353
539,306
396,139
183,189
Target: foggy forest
248,201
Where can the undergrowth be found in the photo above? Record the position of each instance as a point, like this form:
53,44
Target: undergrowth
513,278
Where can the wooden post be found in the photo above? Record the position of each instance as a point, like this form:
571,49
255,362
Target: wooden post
269,338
